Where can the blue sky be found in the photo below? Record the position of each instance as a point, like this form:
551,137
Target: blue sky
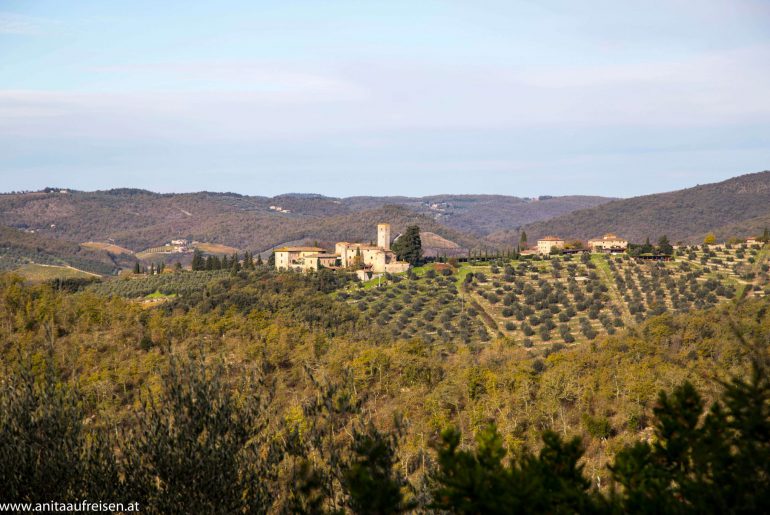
384,97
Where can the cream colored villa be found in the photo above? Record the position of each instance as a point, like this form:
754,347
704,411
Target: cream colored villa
367,259
299,258
544,245
608,243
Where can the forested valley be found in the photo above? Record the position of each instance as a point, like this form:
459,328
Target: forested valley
257,391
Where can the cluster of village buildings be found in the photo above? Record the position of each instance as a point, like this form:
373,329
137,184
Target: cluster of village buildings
377,259
609,243
366,259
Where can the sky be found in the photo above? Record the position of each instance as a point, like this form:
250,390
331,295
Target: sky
541,97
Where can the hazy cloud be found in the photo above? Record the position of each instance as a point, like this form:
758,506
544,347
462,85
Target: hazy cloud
24,25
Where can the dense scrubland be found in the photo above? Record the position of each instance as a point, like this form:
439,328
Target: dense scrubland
260,391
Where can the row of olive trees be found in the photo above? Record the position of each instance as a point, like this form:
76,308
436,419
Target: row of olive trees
200,447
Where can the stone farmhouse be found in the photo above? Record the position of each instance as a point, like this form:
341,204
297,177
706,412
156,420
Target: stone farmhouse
180,245
609,243
544,245
300,258
366,259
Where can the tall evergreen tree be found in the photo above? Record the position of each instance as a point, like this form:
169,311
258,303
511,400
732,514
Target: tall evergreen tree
408,247
664,246
358,261
259,259
248,261
198,262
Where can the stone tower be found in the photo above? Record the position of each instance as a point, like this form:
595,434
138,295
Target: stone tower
383,236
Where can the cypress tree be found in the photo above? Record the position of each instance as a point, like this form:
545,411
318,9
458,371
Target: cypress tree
197,261
248,261
664,247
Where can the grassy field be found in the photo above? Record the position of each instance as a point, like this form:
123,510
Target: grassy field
40,273
145,254
215,248
107,247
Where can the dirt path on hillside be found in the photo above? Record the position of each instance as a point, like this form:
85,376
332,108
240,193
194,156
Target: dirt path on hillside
474,301
606,275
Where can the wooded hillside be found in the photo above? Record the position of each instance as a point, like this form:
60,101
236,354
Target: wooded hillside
732,206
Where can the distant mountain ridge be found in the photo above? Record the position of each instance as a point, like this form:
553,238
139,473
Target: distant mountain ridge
739,206
137,219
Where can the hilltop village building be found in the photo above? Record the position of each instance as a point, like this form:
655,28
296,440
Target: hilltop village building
544,245
367,259
299,258
609,243
180,245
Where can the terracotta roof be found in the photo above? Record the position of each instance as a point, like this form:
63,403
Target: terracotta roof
550,238
299,249
357,245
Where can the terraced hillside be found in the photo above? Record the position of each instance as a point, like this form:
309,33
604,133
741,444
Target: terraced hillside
563,300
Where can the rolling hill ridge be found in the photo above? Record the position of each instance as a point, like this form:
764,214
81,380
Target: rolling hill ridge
138,219
736,207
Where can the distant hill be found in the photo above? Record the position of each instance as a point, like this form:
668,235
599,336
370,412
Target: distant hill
138,219
19,248
736,207
743,229
482,215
